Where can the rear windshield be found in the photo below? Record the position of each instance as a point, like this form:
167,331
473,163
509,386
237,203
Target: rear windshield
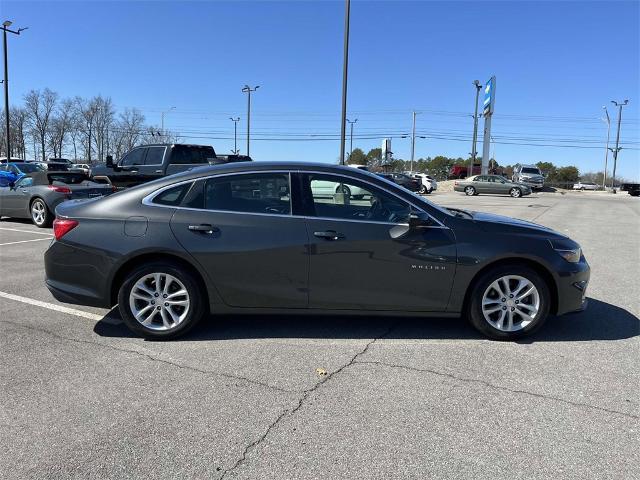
530,170
30,167
68,178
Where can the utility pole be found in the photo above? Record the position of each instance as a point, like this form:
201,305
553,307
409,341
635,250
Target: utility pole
474,151
5,28
235,134
618,148
606,150
247,89
345,69
351,141
413,141
162,119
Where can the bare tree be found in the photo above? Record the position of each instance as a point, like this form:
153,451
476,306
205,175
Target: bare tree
129,130
61,124
103,124
86,113
39,107
18,131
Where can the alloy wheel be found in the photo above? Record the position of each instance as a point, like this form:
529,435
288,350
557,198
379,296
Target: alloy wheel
515,192
511,303
159,301
38,212
470,191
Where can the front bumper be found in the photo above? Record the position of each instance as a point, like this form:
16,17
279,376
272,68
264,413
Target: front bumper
572,288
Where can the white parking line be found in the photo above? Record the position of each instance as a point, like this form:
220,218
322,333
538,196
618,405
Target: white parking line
24,241
26,231
51,306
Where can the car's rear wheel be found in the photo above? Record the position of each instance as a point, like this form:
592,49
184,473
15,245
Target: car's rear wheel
345,190
515,192
160,300
40,214
469,191
509,302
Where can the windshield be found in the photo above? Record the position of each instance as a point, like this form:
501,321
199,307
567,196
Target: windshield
29,167
531,170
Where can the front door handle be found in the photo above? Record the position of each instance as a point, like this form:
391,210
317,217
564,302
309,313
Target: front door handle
204,228
329,235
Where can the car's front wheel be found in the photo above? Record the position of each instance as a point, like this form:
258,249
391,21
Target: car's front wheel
160,301
470,191
40,214
515,192
509,302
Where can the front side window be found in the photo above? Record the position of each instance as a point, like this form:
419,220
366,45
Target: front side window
154,156
345,198
25,182
134,157
251,193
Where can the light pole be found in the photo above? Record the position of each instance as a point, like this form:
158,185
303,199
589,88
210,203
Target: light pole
247,89
606,150
235,134
162,118
345,69
351,141
5,28
474,151
618,148
413,140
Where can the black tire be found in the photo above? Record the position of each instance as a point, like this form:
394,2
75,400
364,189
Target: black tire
474,305
195,311
345,190
469,191
48,216
423,190
515,192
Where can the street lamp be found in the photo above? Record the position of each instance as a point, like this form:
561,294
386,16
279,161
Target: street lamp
235,134
162,118
618,148
351,142
247,89
606,150
474,151
5,28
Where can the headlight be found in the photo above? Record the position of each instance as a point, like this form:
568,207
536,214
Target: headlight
567,249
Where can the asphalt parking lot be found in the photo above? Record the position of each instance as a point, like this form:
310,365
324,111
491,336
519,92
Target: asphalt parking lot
286,397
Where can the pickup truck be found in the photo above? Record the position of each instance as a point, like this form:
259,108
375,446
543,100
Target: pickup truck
149,162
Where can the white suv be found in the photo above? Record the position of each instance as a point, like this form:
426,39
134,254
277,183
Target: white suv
585,186
428,183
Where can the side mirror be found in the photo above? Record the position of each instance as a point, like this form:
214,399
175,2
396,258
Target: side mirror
11,185
109,161
420,220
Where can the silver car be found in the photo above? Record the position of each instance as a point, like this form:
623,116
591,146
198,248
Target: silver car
491,184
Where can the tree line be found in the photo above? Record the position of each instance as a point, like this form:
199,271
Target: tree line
87,129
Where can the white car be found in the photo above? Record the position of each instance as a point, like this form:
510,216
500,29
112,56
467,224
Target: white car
429,183
585,186
81,166
323,188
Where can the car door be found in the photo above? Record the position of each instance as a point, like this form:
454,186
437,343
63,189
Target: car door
363,255
129,168
15,200
480,184
240,229
152,166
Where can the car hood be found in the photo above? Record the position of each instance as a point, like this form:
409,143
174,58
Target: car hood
491,222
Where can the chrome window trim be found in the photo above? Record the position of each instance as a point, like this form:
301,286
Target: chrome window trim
148,200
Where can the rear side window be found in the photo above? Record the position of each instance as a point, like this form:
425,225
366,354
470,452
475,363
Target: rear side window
154,156
172,196
251,193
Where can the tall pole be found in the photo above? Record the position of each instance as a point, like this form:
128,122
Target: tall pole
606,150
345,68
162,118
474,150
617,149
413,142
235,134
5,28
247,89
351,139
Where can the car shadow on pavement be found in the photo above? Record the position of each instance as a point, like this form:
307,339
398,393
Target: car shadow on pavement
601,321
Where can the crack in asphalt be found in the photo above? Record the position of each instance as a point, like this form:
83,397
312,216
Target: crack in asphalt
497,387
301,400
154,359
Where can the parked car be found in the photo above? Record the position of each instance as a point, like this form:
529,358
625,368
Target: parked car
462,171
585,186
11,172
322,188
529,175
36,195
495,184
253,237
403,180
80,167
56,165
427,183
150,162
632,189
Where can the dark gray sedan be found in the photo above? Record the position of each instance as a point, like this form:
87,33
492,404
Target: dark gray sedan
257,237
37,195
491,184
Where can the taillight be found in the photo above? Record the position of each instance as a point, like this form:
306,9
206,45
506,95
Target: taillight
62,226
55,188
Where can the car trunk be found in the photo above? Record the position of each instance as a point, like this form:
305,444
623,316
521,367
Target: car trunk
79,185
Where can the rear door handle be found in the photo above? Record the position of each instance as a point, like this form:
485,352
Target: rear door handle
329,235
158,171
204,228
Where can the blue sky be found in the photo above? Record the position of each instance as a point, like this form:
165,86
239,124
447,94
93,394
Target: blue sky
556,64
